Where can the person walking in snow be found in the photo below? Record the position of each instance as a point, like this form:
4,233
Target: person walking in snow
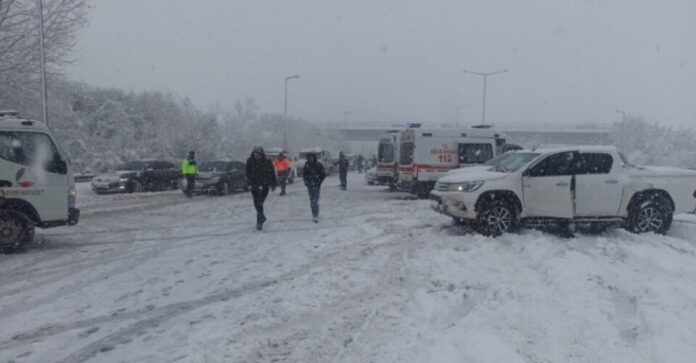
260,177
343,165
283,168
361,164
189,169
313,175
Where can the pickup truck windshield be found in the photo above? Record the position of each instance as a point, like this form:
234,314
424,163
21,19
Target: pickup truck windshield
510,162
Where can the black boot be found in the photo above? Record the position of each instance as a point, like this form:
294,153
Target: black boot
260,221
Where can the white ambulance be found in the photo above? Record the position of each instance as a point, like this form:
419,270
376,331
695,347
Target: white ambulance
388,158
36,185
427,154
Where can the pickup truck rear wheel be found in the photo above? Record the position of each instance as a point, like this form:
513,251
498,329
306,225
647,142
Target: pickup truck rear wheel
16,231
650,215
496,218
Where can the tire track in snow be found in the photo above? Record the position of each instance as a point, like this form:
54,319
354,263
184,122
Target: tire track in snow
161,314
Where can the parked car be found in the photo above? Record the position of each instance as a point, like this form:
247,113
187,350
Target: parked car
139,176
323,156
36,183
221,177
590,185
371,176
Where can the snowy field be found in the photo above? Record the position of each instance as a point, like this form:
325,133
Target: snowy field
382,278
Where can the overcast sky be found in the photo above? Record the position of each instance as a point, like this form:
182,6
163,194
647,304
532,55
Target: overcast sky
569,61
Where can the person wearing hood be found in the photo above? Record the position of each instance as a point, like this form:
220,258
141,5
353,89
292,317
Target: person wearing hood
313,175
343,165
261,177
189,169
361,163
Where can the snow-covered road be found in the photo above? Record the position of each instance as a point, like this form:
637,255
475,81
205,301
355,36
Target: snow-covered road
381,278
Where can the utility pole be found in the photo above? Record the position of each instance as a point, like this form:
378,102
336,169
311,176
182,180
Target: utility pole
44,90
485,81
285,112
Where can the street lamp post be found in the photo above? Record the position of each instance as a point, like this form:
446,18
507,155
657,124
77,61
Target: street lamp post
623,129
485,81
44,90
285,112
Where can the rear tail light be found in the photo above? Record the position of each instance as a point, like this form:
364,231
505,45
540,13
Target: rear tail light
72,197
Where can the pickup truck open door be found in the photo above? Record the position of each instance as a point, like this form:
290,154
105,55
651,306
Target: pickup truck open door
599,183
547,187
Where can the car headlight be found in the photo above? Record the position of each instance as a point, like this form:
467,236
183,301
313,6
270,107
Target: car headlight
466,186
123,180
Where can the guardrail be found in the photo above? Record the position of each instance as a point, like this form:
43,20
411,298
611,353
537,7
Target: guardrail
83,177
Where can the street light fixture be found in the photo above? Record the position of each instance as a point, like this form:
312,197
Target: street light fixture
285,112
485,80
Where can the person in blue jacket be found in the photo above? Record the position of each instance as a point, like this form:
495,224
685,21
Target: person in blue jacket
313,175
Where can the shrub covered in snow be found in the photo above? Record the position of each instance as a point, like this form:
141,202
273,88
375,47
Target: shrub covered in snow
654,144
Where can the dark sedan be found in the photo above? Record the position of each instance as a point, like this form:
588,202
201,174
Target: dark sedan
220,177
138,176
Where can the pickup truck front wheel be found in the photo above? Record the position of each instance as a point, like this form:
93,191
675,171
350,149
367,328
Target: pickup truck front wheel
16,231
496,218
653,215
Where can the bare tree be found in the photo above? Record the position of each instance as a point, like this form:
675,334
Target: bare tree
19,35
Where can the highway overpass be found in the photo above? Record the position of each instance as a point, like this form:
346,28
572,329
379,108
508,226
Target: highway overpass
524,137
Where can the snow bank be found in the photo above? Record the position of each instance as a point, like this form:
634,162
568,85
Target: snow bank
381,278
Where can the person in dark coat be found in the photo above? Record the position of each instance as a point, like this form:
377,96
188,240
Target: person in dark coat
361,164
313,175
343,165
261,177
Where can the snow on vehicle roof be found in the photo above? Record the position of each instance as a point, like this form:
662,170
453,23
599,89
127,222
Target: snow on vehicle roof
17,123
460,132
581,148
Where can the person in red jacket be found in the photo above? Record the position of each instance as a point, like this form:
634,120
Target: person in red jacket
283,168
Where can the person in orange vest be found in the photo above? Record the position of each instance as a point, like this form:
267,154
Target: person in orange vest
283,168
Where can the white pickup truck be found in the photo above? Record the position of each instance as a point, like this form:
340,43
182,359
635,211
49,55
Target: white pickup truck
36,185
588,185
